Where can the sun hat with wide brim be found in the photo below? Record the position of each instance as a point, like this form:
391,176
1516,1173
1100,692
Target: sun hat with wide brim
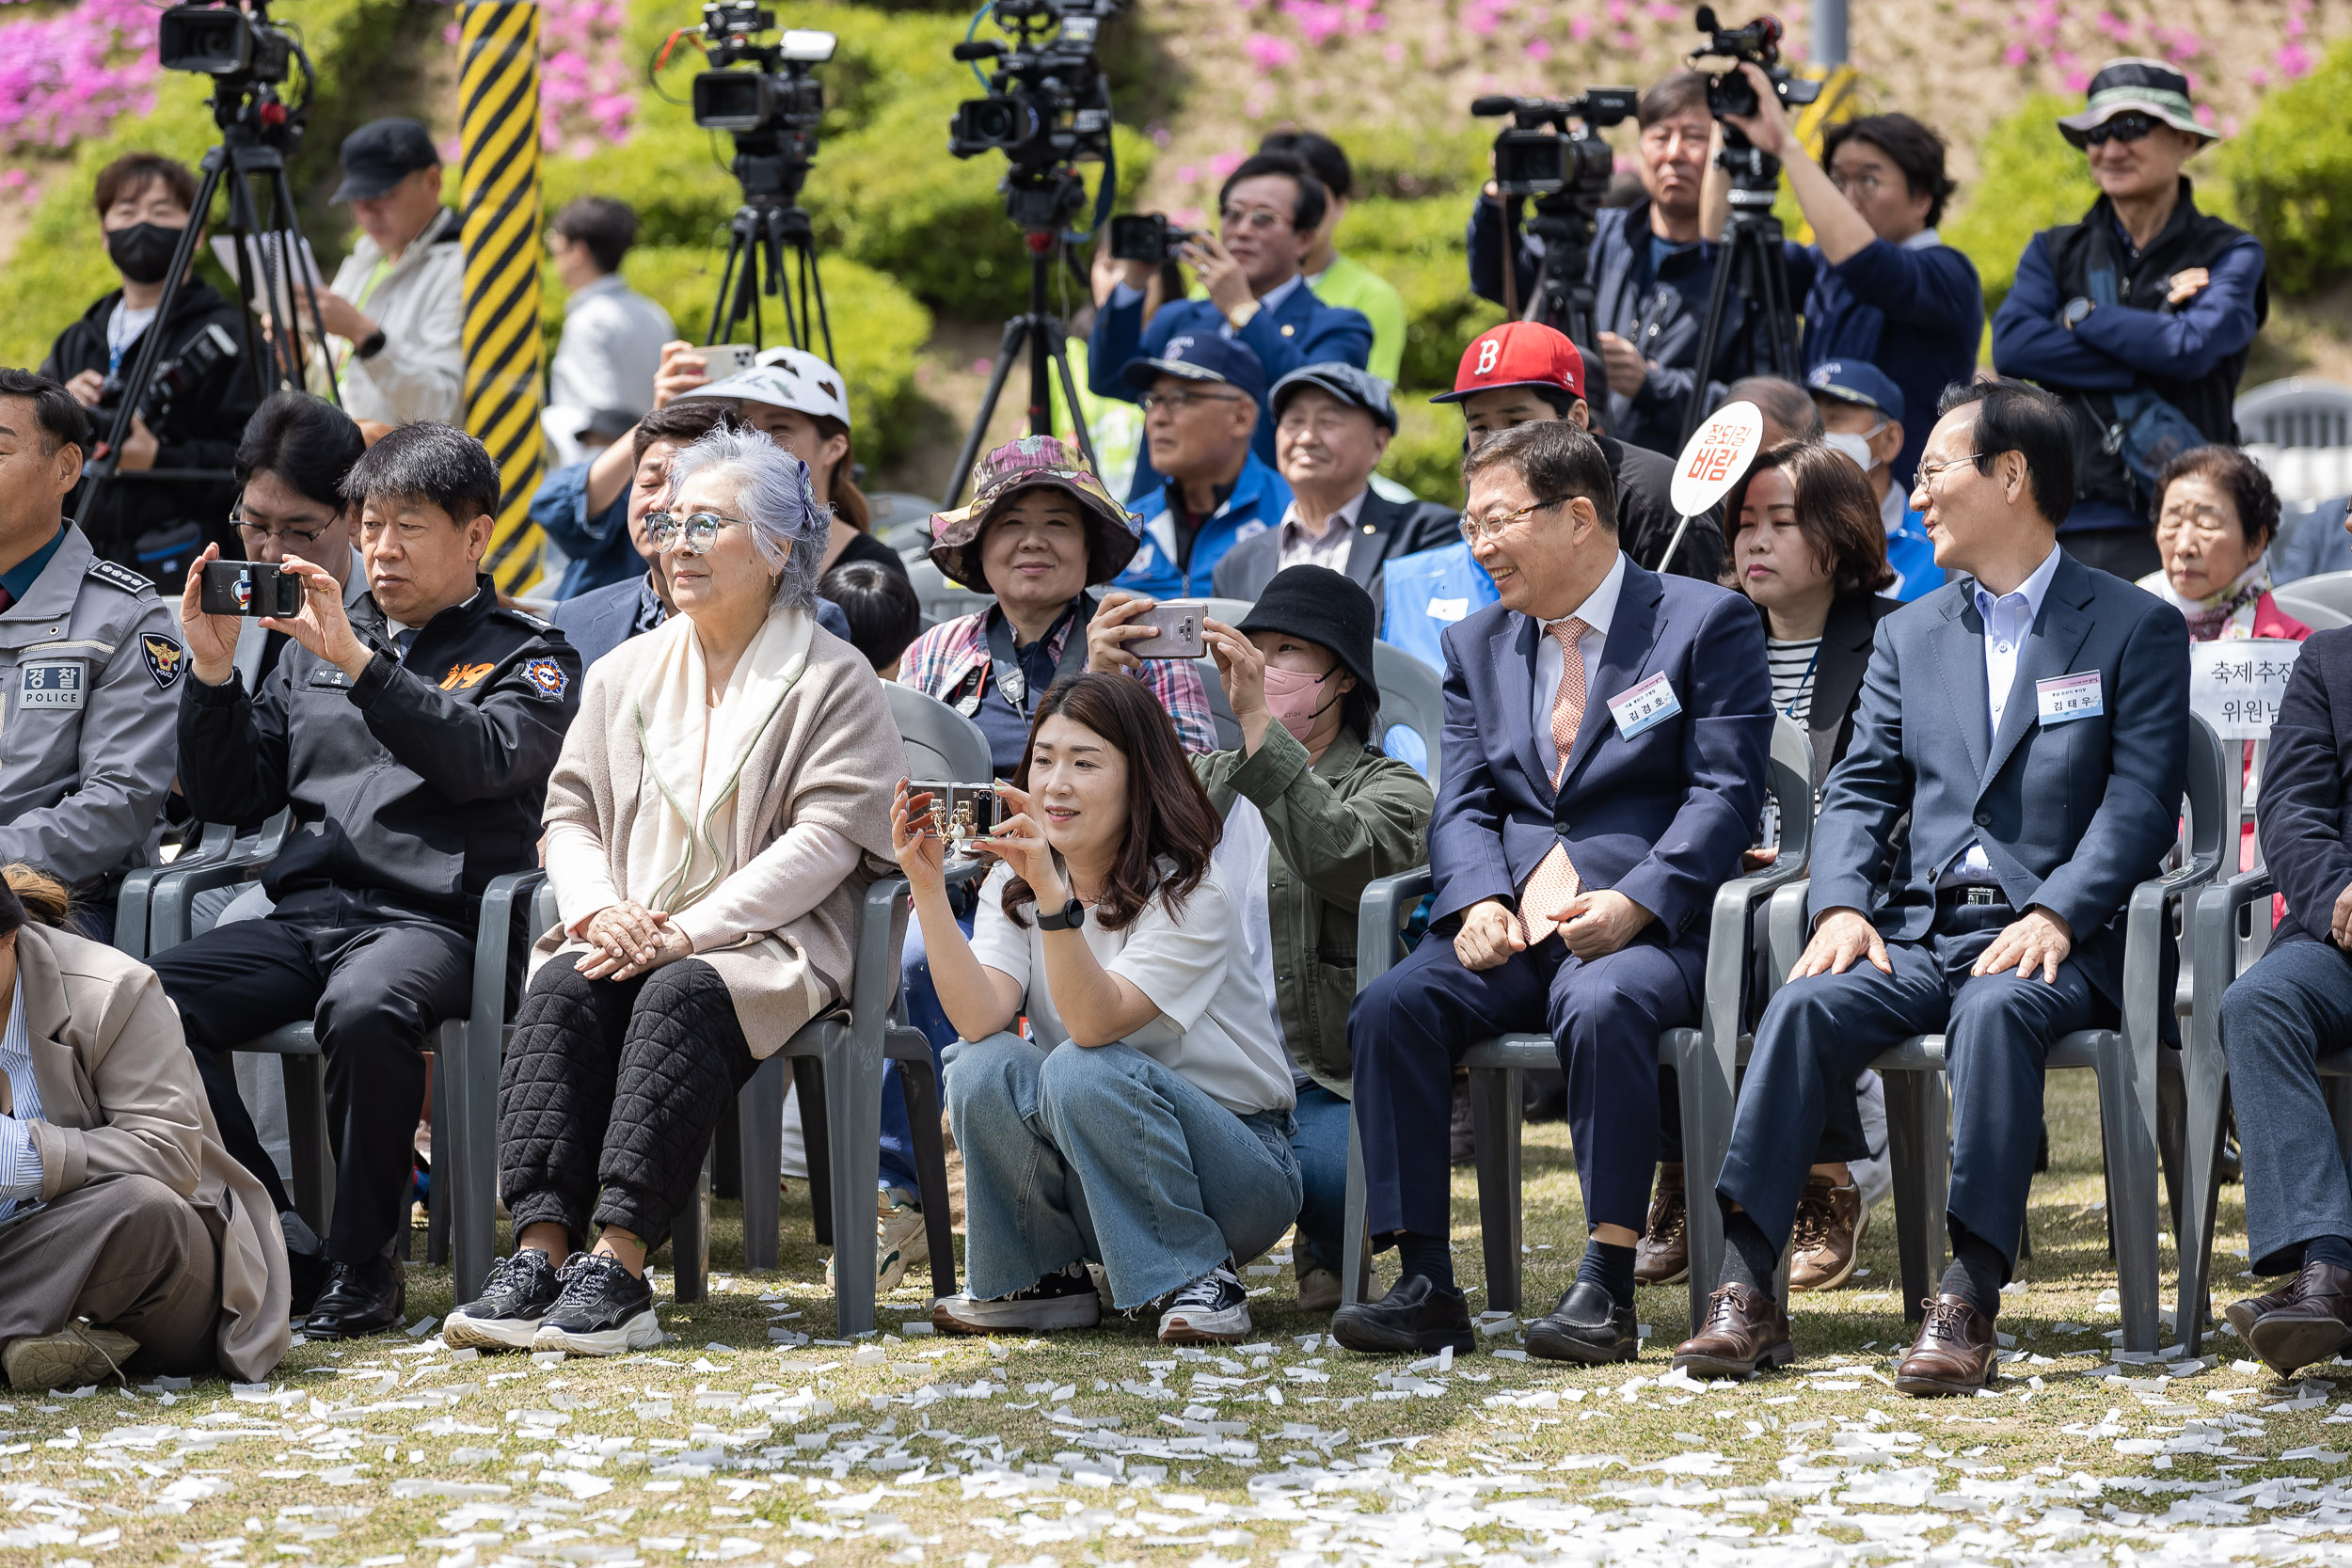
1113,533
2148,87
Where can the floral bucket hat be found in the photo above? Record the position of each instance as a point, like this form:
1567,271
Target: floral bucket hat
1113,533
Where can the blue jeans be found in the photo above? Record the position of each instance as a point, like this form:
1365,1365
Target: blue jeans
1320,1144
1103,1154
925,1014
2295,1004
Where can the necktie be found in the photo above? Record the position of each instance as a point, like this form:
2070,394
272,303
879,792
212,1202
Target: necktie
406,640
1554,880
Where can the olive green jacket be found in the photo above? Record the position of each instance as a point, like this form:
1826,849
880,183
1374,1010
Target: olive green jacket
1336,825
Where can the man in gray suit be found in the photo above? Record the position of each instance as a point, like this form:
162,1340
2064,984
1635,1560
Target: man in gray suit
2032,718
1332,425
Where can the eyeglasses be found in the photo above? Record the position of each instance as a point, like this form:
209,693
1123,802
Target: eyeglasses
1252,217
2128,127
1477,529
1863,185
1176,402
1928,470
694,533
286,538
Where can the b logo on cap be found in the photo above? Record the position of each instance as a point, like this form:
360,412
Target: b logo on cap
1488,352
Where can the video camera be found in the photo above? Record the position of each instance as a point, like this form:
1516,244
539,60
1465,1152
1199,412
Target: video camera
1730,92
1048,104
1532,160
780,95
214,38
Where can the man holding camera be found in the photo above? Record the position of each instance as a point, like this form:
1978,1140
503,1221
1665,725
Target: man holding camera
154,524
1649,266
1272,210
412,736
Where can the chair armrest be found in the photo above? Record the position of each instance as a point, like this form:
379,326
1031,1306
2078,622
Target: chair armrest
2149,922
881,933
136,899
1785,925
1730,929
2213,931
1379,917
171,895
492,932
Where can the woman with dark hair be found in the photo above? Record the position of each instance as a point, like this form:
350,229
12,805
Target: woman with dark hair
1312,811
1145,1123
130,1239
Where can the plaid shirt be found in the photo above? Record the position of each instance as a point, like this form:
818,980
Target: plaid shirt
950,662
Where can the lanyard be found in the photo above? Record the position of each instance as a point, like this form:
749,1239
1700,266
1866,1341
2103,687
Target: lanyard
1012,684
1806,684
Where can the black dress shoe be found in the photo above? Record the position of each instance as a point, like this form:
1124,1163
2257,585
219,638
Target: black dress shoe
1587,1326
1416,1315
307,1272
2309,1325
359,1298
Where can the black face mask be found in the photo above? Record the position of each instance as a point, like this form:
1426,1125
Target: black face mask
143,253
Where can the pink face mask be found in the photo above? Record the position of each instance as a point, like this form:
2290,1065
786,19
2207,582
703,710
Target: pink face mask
1292,697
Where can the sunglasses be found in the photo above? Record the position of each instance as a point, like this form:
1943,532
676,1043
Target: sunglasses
2129,127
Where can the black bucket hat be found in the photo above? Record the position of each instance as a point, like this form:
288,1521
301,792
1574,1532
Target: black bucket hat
1321,605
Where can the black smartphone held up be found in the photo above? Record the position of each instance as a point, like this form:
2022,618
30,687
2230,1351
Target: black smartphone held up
249,588
1146,237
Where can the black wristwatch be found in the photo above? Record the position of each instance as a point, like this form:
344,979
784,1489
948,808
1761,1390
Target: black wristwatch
1072,916
371,345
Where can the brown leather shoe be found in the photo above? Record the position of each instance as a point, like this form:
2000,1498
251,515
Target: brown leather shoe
2244,1315
2312,1324
1662,1256
1827,1240
1954,1353
1746,1332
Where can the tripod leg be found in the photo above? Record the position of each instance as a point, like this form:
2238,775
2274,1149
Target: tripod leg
1016,333
721,319
1711,337
1077,414
817,289
289,230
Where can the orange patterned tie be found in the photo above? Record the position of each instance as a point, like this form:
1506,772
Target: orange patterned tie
1554,882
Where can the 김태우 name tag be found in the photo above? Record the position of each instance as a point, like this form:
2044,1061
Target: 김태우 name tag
2063,698
1644,705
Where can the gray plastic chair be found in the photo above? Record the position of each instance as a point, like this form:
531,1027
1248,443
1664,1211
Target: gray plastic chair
940,599
132,904
2329,592
1703,1058
1412,696
2298,411
941,742
1231,611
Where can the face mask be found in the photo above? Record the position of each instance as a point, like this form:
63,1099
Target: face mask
142,252
1290,697
1854,446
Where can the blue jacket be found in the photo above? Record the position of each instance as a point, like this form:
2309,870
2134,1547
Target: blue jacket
598,549
1258,500
2073,816
1911,553
1660,818
1916,311
1302,330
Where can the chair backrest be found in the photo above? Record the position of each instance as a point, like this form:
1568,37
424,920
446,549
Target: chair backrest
2299,411
1789,775
544,914
1231,611
2214,771
2332,589
941,743
940,599
1412,708
2316,613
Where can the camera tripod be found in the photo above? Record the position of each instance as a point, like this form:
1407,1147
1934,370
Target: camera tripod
769,224
1562,298
1751,263
1037,335
255,144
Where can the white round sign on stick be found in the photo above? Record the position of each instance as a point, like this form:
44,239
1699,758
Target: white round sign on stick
1718,453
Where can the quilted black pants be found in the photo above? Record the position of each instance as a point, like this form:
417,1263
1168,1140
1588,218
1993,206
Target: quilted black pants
615,1085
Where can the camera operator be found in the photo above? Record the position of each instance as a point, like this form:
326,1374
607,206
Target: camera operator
1879,285
399,299
1271,213
412,737
2139,317
143,203
89,662
1649,269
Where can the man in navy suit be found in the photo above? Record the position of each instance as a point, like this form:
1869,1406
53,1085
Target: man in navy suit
1606,731
1270,211
2032,718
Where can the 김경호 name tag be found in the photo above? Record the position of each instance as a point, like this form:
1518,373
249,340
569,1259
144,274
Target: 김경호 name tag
2063,698
55,682
1644,706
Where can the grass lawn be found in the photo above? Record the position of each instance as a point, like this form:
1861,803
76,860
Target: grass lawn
1103,1447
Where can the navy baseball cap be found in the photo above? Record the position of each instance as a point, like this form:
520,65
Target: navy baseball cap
1862,385
1201,357
381,154
1357,388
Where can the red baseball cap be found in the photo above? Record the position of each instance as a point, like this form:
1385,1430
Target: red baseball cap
1517,353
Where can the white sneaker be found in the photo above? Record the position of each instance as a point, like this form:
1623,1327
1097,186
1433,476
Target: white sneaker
1213,1309
1063,1299
900,1243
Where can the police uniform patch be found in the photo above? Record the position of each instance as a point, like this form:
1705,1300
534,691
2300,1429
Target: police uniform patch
117,575
546,676
61,683
165,658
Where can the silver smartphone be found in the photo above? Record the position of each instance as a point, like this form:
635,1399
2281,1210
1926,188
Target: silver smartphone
1179,637
721,361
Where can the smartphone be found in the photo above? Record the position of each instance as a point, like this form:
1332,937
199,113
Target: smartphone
1178,621
721,361
960,813
249,588
1146,237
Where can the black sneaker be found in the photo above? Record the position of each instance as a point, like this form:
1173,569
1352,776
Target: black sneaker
1214,1309
1417,1316
603,1309
514,1300
1063,1299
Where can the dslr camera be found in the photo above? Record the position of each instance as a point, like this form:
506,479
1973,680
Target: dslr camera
1147,237
779,95
1536,154
173,379
1048,104
1730,92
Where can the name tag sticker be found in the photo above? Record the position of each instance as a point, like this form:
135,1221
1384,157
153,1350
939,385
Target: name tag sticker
1644,706
1448,610
54,684
2063,698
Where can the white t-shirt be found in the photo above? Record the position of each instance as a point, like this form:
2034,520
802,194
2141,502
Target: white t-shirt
1214,1028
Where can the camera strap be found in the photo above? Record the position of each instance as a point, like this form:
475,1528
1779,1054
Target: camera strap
1012,682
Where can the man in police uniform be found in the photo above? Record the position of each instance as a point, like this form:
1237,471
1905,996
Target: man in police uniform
90,666
412,735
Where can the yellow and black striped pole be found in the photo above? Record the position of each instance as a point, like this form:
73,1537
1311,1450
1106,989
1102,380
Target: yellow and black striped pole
499,83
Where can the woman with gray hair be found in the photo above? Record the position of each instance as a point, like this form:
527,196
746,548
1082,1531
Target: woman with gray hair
721,804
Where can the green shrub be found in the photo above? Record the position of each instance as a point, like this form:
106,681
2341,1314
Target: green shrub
2289,176
2028,179
1417,246
1425,456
